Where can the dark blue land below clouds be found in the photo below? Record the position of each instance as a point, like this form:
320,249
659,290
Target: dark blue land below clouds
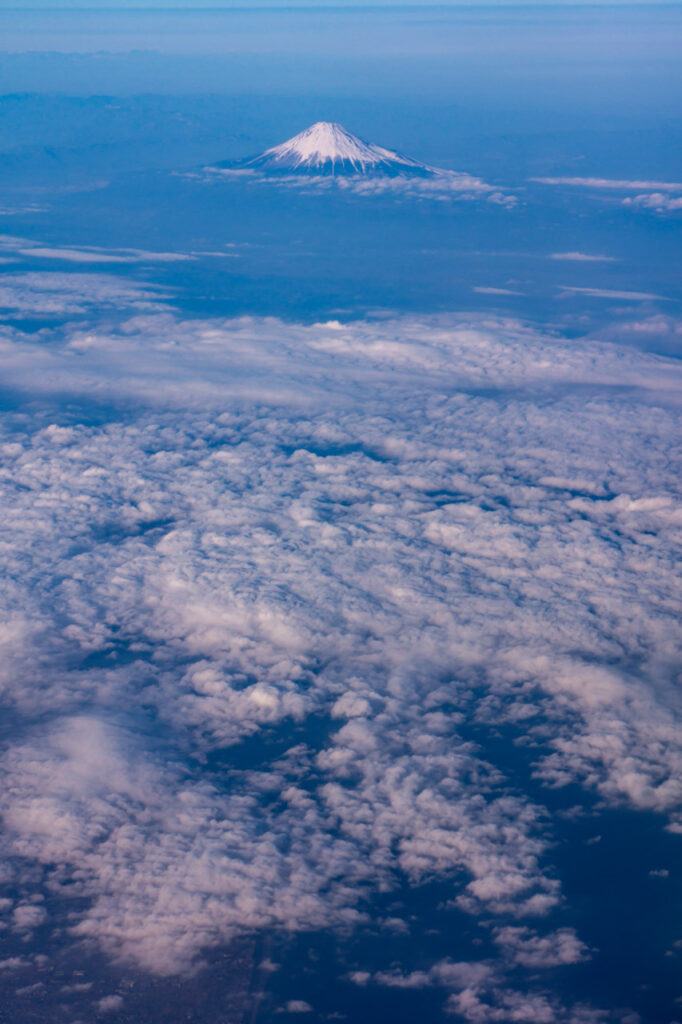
279,251
628,918
104,148
128,172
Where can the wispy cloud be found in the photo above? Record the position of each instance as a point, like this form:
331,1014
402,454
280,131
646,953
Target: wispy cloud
581,257
98,255
32,249
483,290
51,294
611,293
620,184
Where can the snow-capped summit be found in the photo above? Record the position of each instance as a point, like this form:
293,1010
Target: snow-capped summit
327,155
327,148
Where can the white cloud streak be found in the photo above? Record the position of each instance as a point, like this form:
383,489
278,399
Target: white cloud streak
581,257
98,255
619,184
612,293
483,290
31,249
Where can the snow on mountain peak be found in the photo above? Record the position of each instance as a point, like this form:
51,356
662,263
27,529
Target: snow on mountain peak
329,148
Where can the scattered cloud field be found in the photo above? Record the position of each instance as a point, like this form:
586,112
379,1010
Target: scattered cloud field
355,541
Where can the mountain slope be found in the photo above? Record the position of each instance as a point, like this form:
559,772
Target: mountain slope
328,149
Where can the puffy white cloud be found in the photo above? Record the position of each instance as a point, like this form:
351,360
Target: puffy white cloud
529,949
480,991
661,202
109,1004
14,963
656,333
27,916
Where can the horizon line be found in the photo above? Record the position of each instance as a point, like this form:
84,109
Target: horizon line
358,5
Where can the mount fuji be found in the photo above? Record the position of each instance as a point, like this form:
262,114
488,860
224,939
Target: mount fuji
327,155
329,149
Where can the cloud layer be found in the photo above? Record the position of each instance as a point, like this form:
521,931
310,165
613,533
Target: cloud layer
260,580
443,185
